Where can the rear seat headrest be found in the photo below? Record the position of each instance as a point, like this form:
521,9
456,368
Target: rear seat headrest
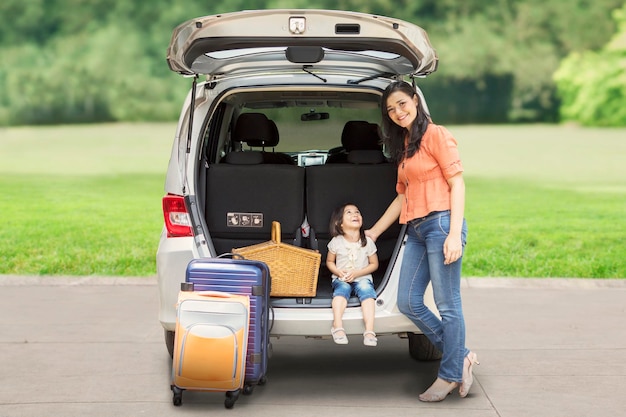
271,141
255,129
359,134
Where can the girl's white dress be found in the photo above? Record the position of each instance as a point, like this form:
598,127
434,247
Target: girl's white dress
351,255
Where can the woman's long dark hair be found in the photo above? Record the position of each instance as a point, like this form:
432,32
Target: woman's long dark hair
394,135
335,228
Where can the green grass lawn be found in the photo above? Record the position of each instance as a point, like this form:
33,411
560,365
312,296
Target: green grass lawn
542,201
91,225
522,229
82,200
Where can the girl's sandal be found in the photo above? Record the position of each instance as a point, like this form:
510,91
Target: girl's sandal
369,338
340,339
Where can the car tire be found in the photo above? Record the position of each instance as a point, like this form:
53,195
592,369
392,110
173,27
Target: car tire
421,349
169,342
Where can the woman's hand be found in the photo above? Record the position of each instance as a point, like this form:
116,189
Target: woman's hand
452,249
370,234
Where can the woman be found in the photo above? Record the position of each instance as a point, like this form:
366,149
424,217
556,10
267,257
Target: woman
431,201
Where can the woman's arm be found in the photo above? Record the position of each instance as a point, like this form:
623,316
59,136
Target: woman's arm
387,219
453,247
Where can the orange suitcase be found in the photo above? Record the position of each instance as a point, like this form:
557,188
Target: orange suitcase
210,345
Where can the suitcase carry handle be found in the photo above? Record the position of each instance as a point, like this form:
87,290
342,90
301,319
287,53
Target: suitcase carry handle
231,255
219,294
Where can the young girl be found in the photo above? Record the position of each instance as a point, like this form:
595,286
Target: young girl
351,259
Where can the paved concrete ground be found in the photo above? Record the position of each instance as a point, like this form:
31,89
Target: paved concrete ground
77,347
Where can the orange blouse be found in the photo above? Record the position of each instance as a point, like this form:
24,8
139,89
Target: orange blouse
423,177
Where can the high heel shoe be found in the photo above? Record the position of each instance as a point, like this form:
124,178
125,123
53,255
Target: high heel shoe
438,391
468,376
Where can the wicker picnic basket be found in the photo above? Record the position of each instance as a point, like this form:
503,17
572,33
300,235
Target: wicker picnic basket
293,270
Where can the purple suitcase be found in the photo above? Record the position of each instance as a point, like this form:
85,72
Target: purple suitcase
245,277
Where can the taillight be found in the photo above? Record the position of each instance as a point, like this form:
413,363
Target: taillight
176,217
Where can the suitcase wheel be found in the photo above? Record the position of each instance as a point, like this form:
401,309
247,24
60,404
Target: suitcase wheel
247,389
231,398
177,398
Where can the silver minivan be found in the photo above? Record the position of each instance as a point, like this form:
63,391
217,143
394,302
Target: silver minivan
282,124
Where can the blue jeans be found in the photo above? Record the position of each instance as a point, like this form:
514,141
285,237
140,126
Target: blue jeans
423,263
363,289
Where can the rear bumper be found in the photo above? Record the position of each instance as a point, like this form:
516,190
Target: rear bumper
317,322
173,256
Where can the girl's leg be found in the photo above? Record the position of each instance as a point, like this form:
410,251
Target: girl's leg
339,305
364,289
341,293
368,308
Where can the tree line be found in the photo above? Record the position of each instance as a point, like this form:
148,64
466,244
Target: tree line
79,61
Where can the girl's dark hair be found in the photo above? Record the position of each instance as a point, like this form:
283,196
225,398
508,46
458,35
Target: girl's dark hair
394,135
335,223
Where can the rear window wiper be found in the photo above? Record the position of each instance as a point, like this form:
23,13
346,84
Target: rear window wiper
305,68
372,77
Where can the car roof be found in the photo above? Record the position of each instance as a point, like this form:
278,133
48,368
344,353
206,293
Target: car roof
283,40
